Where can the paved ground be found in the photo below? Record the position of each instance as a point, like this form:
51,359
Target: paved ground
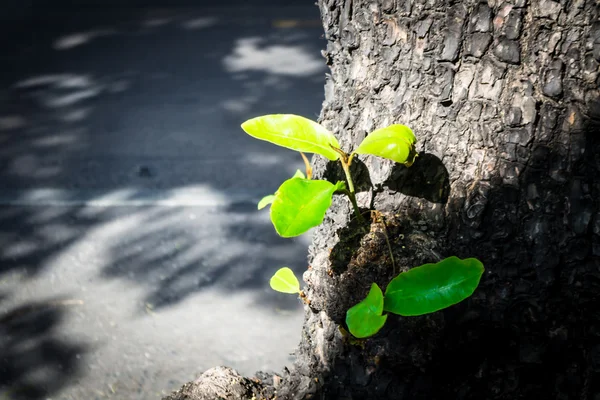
132,257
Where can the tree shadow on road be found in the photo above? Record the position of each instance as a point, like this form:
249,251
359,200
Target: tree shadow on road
176,253
89,107
37,361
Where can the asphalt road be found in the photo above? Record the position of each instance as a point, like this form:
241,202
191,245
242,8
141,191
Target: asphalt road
132,256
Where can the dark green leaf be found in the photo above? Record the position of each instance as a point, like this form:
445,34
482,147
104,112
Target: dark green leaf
365,319
432,287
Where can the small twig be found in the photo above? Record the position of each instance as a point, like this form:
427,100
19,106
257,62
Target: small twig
351,192
387,240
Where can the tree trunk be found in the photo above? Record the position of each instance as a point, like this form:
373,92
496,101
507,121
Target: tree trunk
504,100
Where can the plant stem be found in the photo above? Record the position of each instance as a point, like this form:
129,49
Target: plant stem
387,240
309,170
351,193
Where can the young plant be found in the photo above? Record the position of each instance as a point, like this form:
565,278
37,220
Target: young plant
421,290
300,204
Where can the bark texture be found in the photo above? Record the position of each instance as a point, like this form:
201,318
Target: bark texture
223,383
504,99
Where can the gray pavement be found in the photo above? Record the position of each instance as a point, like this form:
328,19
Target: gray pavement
132,257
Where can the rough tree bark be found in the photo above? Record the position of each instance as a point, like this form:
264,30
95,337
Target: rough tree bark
504,99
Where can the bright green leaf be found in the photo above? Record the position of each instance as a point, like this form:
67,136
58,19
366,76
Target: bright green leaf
340,186
300,204
299,174
265,201
365,319
395,142
285,281
293,132
432,287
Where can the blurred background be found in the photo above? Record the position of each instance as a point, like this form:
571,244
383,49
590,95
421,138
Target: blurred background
132,256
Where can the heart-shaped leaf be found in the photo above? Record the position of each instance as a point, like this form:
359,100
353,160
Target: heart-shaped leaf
432,287
293,132
285,281
300,204
365,319
395,142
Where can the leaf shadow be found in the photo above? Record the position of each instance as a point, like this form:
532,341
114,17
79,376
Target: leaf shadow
427,178
360,174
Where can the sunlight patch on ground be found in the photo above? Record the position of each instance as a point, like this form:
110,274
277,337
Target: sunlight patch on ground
193,195
55,100
77,39
76,115
119,86
67,139
59,90
156,22
22,248
264,159
60,81
289,60
296,23
200,23
11,122
241,104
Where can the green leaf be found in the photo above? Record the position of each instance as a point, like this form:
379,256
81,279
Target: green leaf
293,132
265,201
340,186
432,287
395,142
285,281
365,319
300,204
299,174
